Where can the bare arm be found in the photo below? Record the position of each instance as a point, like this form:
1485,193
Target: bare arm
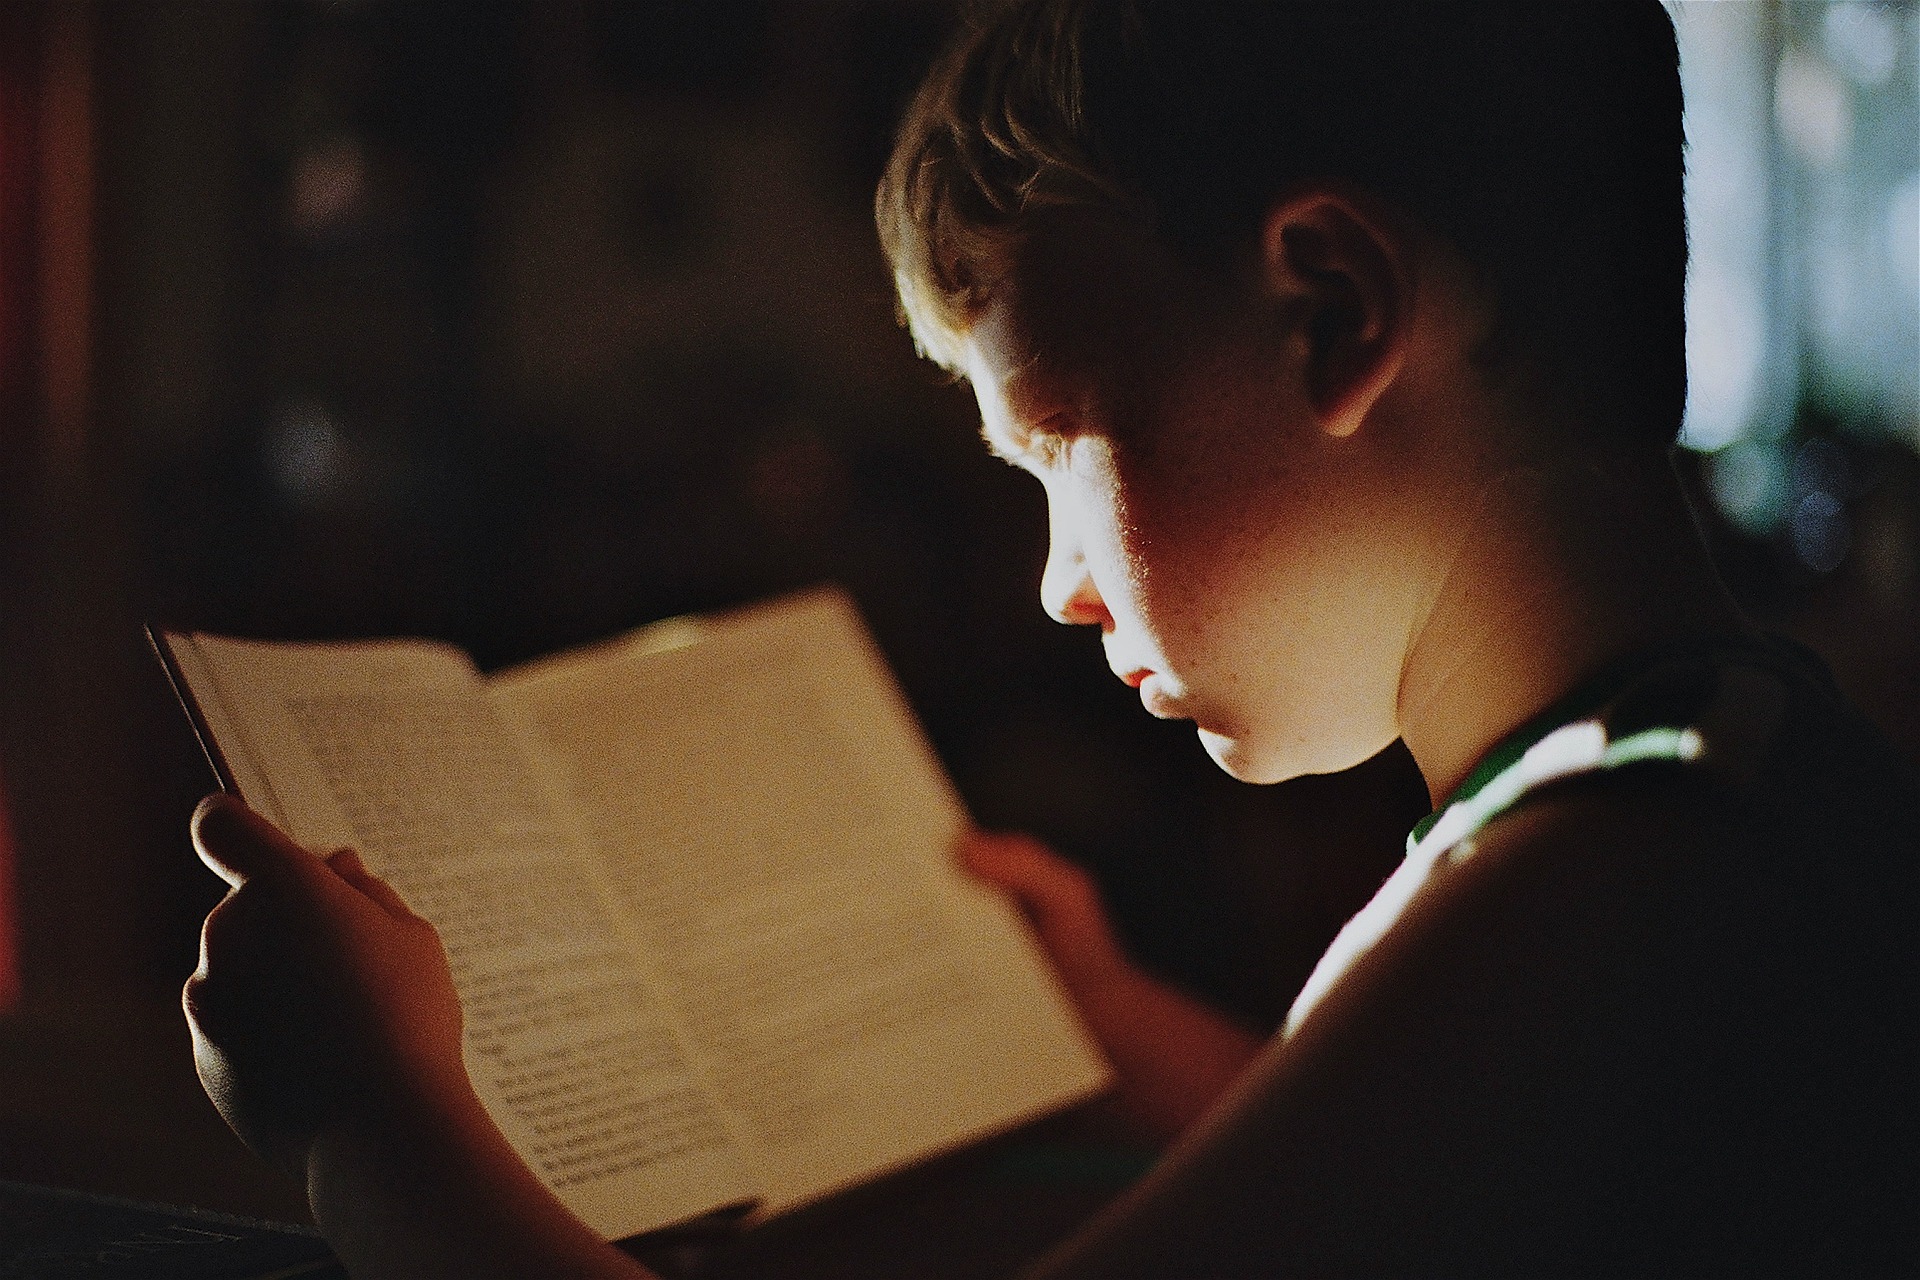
1571,1054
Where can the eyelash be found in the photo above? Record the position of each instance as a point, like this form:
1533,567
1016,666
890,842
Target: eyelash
1048,440
1047,447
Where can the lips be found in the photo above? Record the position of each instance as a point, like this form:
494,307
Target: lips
1135,678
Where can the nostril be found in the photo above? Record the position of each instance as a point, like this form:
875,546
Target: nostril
1079,606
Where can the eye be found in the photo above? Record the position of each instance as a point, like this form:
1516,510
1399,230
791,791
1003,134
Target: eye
1047,448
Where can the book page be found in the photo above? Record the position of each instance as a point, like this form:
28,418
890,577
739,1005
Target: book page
781,836
394,749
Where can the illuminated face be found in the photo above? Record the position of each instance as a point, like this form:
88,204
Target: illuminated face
1245,567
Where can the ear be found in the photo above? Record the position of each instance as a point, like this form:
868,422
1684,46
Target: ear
1345,283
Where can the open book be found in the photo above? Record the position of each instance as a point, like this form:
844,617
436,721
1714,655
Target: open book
697,889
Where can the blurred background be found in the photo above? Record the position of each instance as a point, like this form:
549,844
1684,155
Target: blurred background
522,322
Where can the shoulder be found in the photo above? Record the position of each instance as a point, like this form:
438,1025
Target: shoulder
1769,883
1698,972
1795,824
1790,797
1651,1019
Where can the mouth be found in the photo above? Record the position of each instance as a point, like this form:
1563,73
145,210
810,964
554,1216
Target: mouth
1135,678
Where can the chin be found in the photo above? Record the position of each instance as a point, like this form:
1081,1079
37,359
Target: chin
1241,761
1250,760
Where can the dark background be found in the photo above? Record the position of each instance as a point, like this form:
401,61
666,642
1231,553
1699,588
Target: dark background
520,324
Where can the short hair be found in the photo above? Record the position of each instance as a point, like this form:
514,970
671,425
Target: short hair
1542,138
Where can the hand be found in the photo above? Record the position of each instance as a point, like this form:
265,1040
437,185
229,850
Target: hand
321,1000
1062,903
1173,1055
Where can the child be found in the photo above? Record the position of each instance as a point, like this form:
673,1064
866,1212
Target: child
1346,340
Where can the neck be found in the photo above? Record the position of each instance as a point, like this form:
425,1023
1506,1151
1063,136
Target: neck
1556,570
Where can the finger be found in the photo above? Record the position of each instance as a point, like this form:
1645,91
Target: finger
208,927
1057,896
997,860
347,864
237,844
1045,883
236,943
346,861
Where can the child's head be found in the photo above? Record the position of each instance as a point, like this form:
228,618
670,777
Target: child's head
1541,138
1255,289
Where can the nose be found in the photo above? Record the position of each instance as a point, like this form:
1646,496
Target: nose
1067,591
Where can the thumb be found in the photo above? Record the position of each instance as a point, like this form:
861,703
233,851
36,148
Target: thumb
347,864
1059,897
238,844
1046,885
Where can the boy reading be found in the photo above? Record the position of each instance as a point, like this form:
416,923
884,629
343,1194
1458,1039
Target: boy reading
1346,341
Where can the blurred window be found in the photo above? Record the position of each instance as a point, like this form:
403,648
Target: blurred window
1804,200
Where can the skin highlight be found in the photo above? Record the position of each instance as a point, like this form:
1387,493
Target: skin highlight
1301,514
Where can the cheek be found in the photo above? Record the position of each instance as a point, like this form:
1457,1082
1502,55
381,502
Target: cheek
1086,493
1215,473
1188,529
1149,532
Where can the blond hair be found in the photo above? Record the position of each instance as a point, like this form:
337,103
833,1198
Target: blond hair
997,132
1542,140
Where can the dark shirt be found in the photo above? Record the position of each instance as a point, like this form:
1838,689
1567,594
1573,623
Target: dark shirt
1649,1020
